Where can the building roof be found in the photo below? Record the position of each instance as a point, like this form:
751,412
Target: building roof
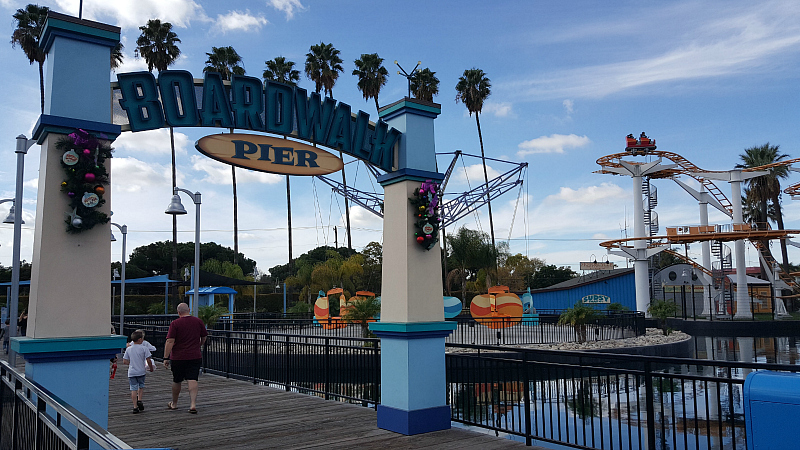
590,278
212,290
750,280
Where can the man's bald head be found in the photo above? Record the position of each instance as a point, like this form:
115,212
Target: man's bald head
183,309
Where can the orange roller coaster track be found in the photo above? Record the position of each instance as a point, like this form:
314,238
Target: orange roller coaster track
702,234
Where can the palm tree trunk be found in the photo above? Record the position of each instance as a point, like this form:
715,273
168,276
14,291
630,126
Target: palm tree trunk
289,215
377,107
486,179
779,220
174,221
41,82
346,207
235,218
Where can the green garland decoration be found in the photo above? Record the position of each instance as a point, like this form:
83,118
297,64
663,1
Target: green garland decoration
83,160
426,213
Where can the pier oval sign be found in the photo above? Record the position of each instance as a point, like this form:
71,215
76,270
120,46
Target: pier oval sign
269,154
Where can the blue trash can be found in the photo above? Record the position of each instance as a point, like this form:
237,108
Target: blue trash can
771,409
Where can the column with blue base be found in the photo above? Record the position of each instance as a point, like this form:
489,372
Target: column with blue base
69,338
412,327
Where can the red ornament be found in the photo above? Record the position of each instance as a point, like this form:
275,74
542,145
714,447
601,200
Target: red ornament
420,239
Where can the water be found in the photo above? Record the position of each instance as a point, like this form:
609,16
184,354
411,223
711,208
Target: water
773,350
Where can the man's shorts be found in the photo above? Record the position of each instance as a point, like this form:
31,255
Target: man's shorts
185,369
136,382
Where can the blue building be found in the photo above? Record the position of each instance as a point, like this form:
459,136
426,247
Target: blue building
597,289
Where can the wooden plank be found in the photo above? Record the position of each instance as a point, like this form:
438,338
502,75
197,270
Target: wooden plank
235,414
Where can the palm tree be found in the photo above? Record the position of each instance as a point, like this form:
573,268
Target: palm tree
323,66
371,75
473,88
424,84
362,310
578,316
117,56
30,23
158,46
282,71
224,60
767,189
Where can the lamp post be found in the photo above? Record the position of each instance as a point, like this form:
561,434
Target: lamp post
23,144
255,289
175,208
124,230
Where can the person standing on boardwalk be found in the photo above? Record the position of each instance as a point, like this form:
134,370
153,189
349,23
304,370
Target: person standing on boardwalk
137,356
185,338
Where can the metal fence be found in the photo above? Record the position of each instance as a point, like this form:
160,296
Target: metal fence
336,368
601,401
33,418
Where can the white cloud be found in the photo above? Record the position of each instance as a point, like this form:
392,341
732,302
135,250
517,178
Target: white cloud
152,142
502,109
239,21
555,143
730,42
587,210
287,6
471,175
569,106
135,13
33,183
133,175
219,173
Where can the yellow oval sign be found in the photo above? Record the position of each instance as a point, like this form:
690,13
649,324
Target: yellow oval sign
268,154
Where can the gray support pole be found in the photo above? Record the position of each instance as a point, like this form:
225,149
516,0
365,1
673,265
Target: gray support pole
23,144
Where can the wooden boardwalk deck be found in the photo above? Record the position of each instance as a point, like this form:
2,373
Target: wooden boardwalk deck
236,414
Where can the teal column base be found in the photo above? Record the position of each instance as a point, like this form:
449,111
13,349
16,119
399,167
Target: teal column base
413,385
74,369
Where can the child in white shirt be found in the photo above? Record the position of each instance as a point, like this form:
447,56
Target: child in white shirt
138,358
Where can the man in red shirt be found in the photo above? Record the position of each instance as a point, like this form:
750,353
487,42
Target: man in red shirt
185,338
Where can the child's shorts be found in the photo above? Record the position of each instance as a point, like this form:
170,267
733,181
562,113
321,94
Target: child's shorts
136,382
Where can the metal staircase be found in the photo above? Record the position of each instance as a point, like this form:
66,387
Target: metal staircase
649,202
719,272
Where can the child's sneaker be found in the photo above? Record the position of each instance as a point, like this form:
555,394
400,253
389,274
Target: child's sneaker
140,405
136,410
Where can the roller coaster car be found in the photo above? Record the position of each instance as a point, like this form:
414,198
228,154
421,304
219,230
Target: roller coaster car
641,146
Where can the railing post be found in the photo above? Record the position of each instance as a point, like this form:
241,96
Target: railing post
526,398
227,355
255,358
327,368
286,363
651,412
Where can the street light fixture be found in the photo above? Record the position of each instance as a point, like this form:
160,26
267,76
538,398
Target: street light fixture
124,230
11,212
176,208
23,144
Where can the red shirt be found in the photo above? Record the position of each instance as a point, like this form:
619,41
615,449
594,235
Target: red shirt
186,331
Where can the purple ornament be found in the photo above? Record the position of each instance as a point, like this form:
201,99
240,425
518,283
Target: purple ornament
70,194
428,236
89,177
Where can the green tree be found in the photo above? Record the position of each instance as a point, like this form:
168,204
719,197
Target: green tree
424,84
661,309
158,45
549,275
371,279
225,61
578,316
29,22
282,71
155,258
320,254
473,88
362,310
516,271
371,75
767,188
224,268
210,314
470,251
117,56
323,66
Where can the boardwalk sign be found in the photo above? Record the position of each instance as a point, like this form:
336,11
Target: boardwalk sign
176,99
595,299
594,265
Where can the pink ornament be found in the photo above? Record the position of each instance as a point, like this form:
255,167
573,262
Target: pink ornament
89,177
70,194
428,236
87,152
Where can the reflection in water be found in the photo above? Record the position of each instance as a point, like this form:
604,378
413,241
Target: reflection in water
773,350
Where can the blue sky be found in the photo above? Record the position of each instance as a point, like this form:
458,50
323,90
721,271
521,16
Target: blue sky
570,80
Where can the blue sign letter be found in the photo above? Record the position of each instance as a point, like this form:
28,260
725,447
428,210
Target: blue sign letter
177,95
140,100
216,109
248,102
279,107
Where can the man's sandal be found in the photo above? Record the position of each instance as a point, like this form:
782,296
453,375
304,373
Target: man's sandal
192,411
171,406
